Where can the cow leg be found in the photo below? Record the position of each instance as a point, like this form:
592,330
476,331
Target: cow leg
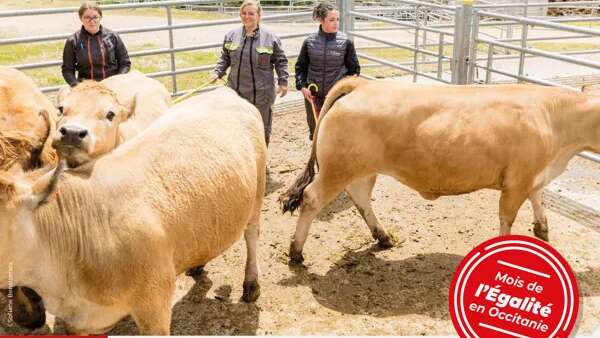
360,193
251,286
540,222
153,321
510,202
152,311
316,196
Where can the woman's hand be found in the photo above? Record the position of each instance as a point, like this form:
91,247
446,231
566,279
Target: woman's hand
282,89
212,78
307,94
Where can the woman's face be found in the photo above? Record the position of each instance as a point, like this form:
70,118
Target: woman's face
331,23
91,20
249,16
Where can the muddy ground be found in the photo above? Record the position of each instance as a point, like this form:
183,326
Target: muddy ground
350,287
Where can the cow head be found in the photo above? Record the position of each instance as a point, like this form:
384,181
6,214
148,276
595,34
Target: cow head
20,195
89,122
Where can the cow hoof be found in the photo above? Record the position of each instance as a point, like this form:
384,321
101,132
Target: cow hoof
251,291
385,243
540,233
296,256
195,271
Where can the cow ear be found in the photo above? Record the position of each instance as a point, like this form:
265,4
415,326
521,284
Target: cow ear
585,88
44,186
8,192
130,105
60,97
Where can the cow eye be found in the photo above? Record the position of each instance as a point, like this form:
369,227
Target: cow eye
110,115
60,110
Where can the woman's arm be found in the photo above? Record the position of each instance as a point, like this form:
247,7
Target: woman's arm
351,60
223,63
281,63
68,65
301,67
122,56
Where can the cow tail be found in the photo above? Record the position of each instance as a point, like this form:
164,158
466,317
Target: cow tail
292,198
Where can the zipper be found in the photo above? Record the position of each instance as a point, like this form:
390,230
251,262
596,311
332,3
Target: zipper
324,66
103,57
89,50
237,89
252,71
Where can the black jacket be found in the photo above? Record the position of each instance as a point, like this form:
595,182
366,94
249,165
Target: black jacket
95,57
324,59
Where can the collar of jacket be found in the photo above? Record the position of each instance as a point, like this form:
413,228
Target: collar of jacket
256,32
83,31
328,36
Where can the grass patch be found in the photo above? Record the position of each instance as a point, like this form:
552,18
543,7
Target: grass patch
564,47
177,13
30,52
30,4
590,24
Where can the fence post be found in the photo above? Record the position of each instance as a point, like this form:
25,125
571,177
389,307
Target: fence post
346,20
462,34
416,53
473,48
171,46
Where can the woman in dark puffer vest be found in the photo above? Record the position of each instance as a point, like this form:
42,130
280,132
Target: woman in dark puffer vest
325,57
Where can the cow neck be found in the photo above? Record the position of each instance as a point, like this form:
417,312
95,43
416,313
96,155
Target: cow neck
571,117
71,222
588,121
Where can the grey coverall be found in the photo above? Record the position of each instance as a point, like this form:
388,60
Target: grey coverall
252,60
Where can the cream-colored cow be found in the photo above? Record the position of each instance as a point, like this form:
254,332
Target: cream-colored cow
442,140
98,116
110,241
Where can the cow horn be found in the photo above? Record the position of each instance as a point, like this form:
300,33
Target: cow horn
45,185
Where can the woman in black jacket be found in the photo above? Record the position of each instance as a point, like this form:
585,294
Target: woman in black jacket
325,57
94,51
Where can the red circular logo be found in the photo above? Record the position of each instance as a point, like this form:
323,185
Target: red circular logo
514,286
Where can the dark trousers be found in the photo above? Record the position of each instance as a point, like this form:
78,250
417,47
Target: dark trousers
266,112
309,114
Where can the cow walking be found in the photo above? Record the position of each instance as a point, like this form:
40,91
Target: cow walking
439,141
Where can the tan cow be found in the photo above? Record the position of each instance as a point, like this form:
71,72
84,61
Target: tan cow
111,241
442,140
27,118
98,116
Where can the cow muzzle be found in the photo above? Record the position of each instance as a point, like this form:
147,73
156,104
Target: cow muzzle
73,143
72,135
28,308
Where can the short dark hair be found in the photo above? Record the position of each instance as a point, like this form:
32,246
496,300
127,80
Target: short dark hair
321,10
89,5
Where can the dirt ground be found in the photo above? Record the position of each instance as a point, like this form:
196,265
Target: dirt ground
347,285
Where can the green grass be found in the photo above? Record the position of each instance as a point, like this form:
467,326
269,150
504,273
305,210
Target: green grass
44,51
177,13
30,4
564,47
590,24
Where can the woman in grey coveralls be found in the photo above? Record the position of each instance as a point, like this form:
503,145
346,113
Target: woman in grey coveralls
253,52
